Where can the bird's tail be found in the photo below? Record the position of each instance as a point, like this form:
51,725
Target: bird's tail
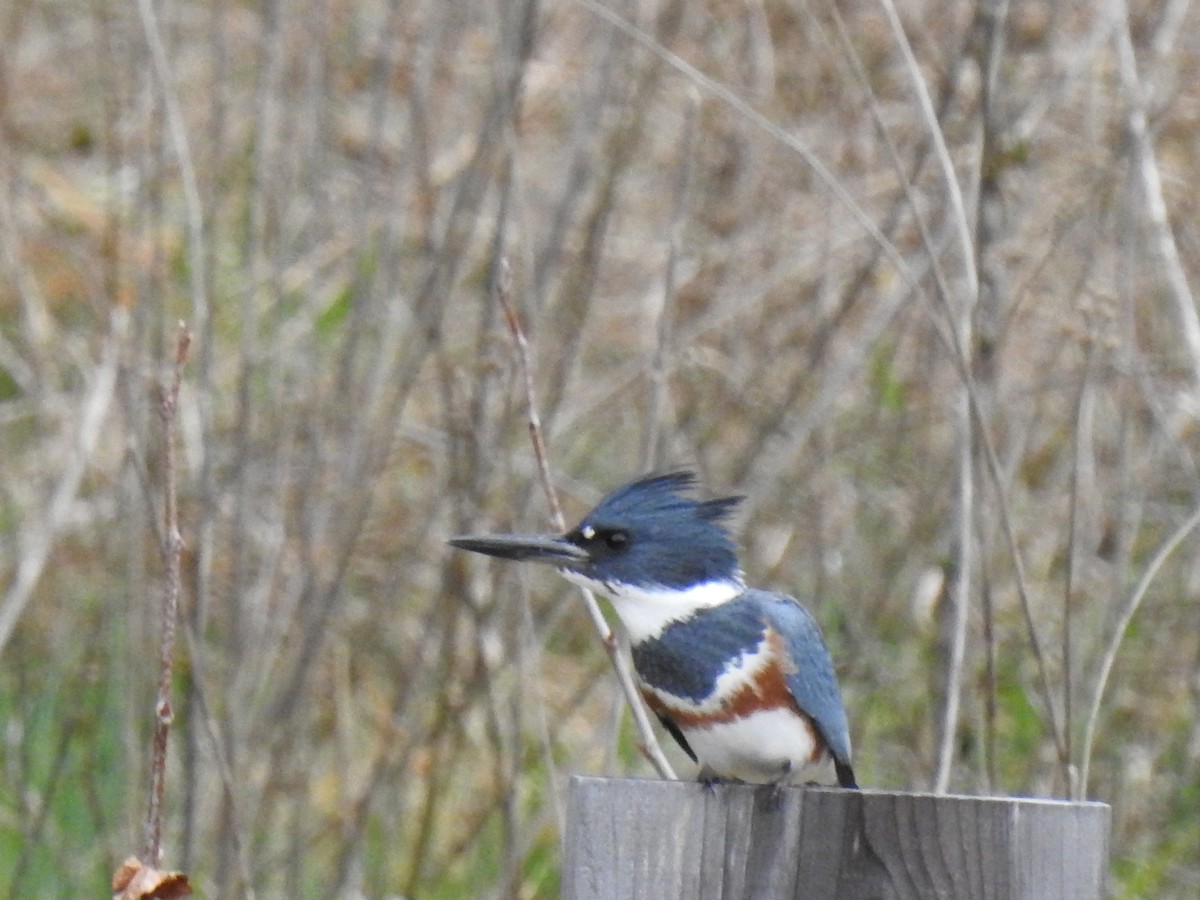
845,774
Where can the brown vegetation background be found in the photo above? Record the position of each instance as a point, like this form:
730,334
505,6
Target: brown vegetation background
917,280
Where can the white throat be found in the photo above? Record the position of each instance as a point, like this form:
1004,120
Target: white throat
646,612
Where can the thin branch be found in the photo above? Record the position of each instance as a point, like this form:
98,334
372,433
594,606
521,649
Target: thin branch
1083,416
647,742
173,552
1110,655
504,291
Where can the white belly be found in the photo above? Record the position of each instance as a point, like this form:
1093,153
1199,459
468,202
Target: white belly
767,746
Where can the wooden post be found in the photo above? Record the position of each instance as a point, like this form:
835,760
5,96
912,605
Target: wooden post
631,839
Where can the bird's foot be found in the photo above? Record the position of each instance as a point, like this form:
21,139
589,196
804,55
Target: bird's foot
711,780
780,784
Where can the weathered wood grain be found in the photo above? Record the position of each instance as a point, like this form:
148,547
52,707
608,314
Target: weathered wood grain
630,839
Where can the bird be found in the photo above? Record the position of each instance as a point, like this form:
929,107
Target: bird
741,678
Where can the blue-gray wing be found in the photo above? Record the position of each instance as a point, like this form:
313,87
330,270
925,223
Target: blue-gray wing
813,683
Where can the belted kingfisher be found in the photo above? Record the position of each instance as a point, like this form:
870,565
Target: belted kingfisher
741,678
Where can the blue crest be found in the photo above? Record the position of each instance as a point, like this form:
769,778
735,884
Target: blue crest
653,532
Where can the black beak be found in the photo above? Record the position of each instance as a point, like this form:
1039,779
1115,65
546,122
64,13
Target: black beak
542,548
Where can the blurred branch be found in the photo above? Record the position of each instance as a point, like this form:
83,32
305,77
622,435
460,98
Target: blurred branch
35,549
765,469
219,748
991,20
960,317
659,393
647,742
187,169
1118,636
765,124
615,158
941,152
1084,414
1170,23
974,427
1146,164
963,571
1026,597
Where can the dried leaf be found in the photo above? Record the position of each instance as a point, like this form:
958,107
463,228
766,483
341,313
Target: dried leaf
135,881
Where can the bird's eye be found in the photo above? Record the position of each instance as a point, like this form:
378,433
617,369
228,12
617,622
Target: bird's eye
616,539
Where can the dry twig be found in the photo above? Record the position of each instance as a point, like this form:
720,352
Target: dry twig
172,551
647,742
